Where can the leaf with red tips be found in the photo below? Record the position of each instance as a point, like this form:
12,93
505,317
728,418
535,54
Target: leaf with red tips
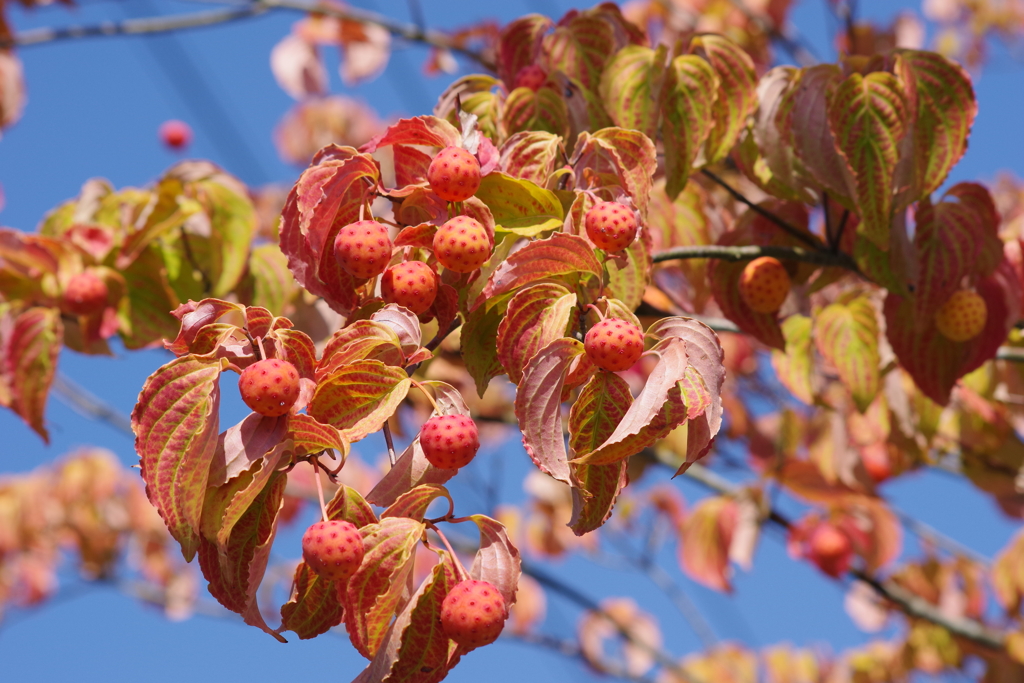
176,421
941,111
541,110
691,88
363,339
349,506
536,316
421,236
296,347
626,158
657,410
846,334
428,131
601,405
328,196
704,540
375,590
30,343
359,397
566,257
497,561
737,92
868,117
310,436
580,47
520,206
795,366
531,155
519,44
413,504
236,571
404,323
196,316
538,406
632,89
244,444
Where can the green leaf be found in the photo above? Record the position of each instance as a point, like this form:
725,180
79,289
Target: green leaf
358,398
601,405
363,339
794,366
705,538
273,284
536,316
375,590
145,315
479,339
868,118
232,226
632,88
566,257
691,87
520,206
176,421
531,155
737,92
538,406
541,110
414,503
236,570
846,334
29,346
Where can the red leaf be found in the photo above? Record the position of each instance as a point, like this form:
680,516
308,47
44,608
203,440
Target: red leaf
359,397
628,156
413,504
196,316
176,421
562,256
531,155
428,131
363,339
310,436
519,44
497,561
242,445
30,344
536,316
704,541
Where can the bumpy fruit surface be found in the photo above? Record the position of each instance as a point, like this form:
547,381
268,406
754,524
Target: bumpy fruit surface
830,549
363,249
449,441
530,76
611,226
270,387
175,134
412,284
473,614
454,174
334,550
85,294
764,285
963,316
462,245
614,344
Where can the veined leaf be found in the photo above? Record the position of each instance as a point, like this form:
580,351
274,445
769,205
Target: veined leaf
691,88
868,118
846,333
627,156
273,286
794,367
580,48
414,503
363,339
538,406
520,206
359,397
496,561
631,88
519,44
536,316
531,155
427,131
542,110
737,92
30,343
627,281
232,226
412,469
404,323
310,436
375,590
196,316
601,405
245,443
479,338
144,317
176,421
562,256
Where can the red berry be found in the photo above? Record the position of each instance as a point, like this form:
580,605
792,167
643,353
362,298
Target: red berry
175,134
363,249
270,387
85,294
611,226
412,284
531,76
764,285
830,549
334,550
462,245
449,441
454,174
473,614
877,462
963,316
614,344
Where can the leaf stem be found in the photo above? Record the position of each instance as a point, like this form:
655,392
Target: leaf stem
319,487
391,444
428,394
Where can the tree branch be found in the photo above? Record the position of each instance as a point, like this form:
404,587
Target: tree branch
747,252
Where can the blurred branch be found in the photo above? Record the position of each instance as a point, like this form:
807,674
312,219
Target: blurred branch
85,403
570,649
747,252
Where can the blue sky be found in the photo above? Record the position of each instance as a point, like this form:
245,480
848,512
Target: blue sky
94,108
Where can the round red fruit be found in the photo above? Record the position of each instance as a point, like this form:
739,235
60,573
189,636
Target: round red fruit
334,550
363,249
85,294
175,134
614,344
830,549
449,441
412,284
454,174
473,614
462,245
963,316
764,285
530,76
270,387
611,226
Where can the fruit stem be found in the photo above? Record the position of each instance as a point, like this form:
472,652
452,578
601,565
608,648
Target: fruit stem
427,394
263,352
391,444
460,570
319,487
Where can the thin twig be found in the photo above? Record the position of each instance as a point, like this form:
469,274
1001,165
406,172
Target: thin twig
85,403
747,252
391,444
